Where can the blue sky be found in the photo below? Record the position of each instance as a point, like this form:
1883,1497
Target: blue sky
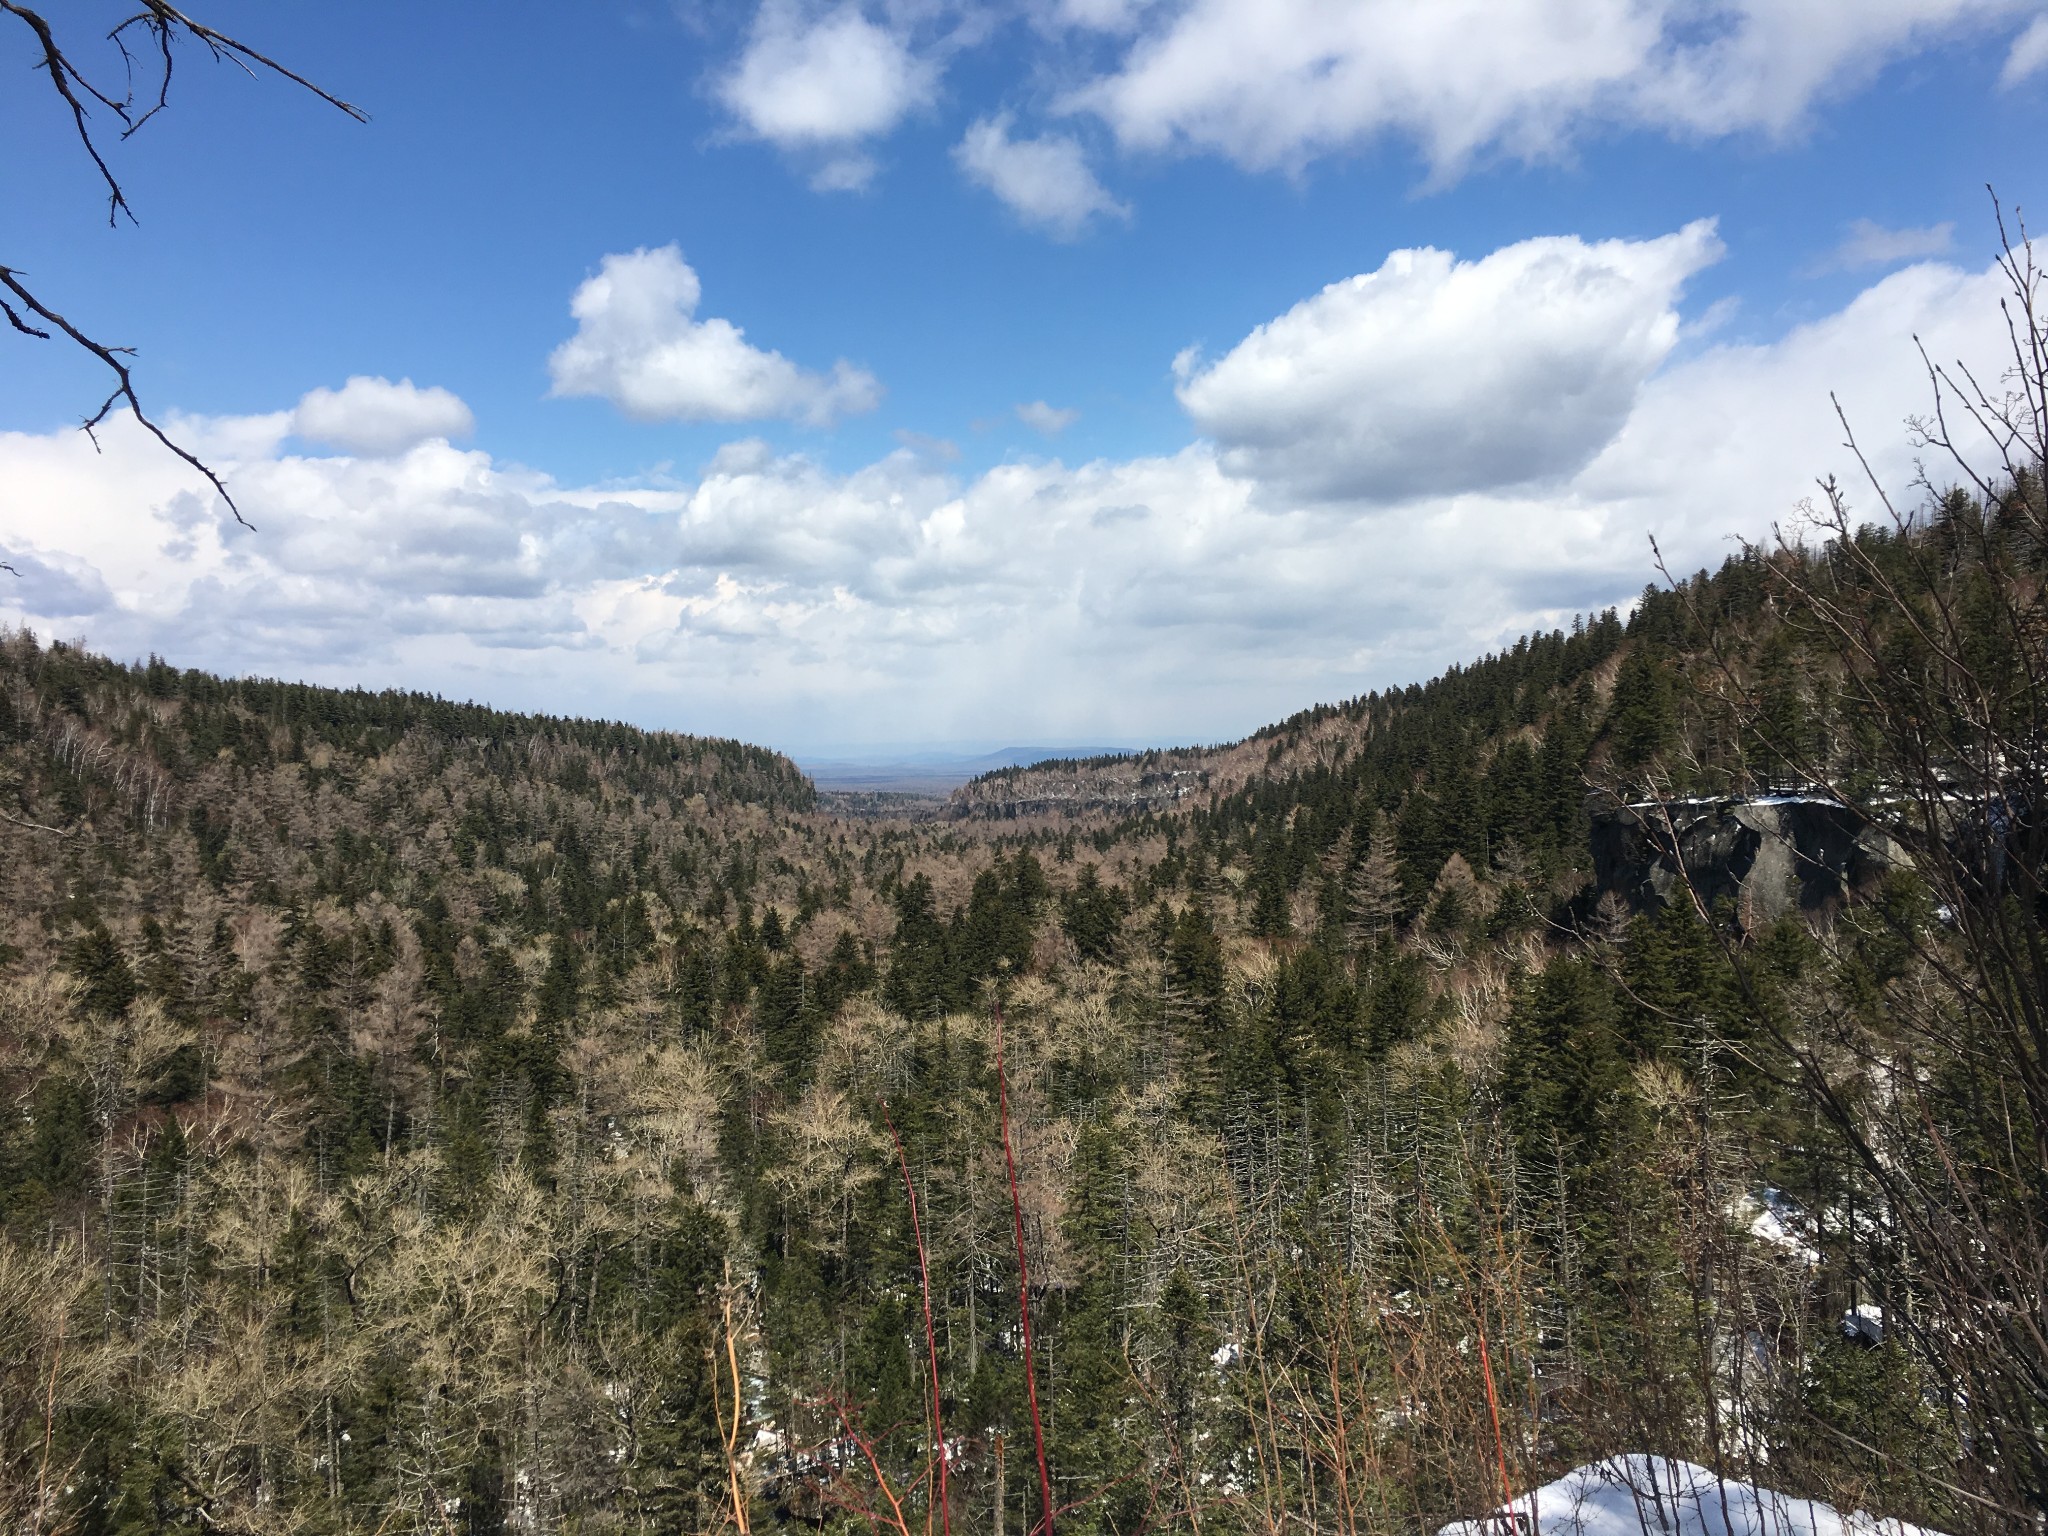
1663,232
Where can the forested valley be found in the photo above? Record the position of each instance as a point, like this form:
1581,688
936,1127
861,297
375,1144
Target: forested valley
422,1117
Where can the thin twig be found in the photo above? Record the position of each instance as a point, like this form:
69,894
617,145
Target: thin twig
78,95
124,388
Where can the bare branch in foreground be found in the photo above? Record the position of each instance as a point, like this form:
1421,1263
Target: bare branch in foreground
164,24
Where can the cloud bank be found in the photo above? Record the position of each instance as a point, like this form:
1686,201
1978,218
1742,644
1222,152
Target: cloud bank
1277,83
1190,594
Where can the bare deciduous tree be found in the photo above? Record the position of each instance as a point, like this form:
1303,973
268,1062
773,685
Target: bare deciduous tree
1933,626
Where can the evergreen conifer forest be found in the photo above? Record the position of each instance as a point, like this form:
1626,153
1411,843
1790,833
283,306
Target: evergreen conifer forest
1600,1090
1627,1049
420,1117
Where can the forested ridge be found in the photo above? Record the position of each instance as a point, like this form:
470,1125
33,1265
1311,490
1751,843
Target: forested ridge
424,1117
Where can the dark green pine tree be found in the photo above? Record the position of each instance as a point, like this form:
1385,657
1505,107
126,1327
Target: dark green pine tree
1091,1448
920,983
1001,920
1186,1343
1461,806
107,983
226,993
678,1467
1394,1007
1092,916
696,989
1561,774
46,1153
1642,718
745,964
1880,1429
1422,841
1272,906
788,1018
1513,796
181,1075
1563,1072
885,1372
554,1011
848,971
1194,956
1781,736
162,977
1674,972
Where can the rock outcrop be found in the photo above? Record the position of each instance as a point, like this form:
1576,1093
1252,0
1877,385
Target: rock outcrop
1125,784
1765,856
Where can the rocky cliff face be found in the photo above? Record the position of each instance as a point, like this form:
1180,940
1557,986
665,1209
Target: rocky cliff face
1767,856
1119,786
1160,779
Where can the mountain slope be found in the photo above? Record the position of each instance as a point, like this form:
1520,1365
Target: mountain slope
418,1117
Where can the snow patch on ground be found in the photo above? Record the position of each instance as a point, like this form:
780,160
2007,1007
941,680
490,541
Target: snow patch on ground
1773,1218
1653,1496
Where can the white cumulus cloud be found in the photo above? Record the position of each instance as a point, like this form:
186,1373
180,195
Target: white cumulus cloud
1438,374
1278,82
377,417
1045,181
1169,596
823,82
639,345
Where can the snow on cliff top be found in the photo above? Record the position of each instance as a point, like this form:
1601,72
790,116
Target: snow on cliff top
1653,1496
